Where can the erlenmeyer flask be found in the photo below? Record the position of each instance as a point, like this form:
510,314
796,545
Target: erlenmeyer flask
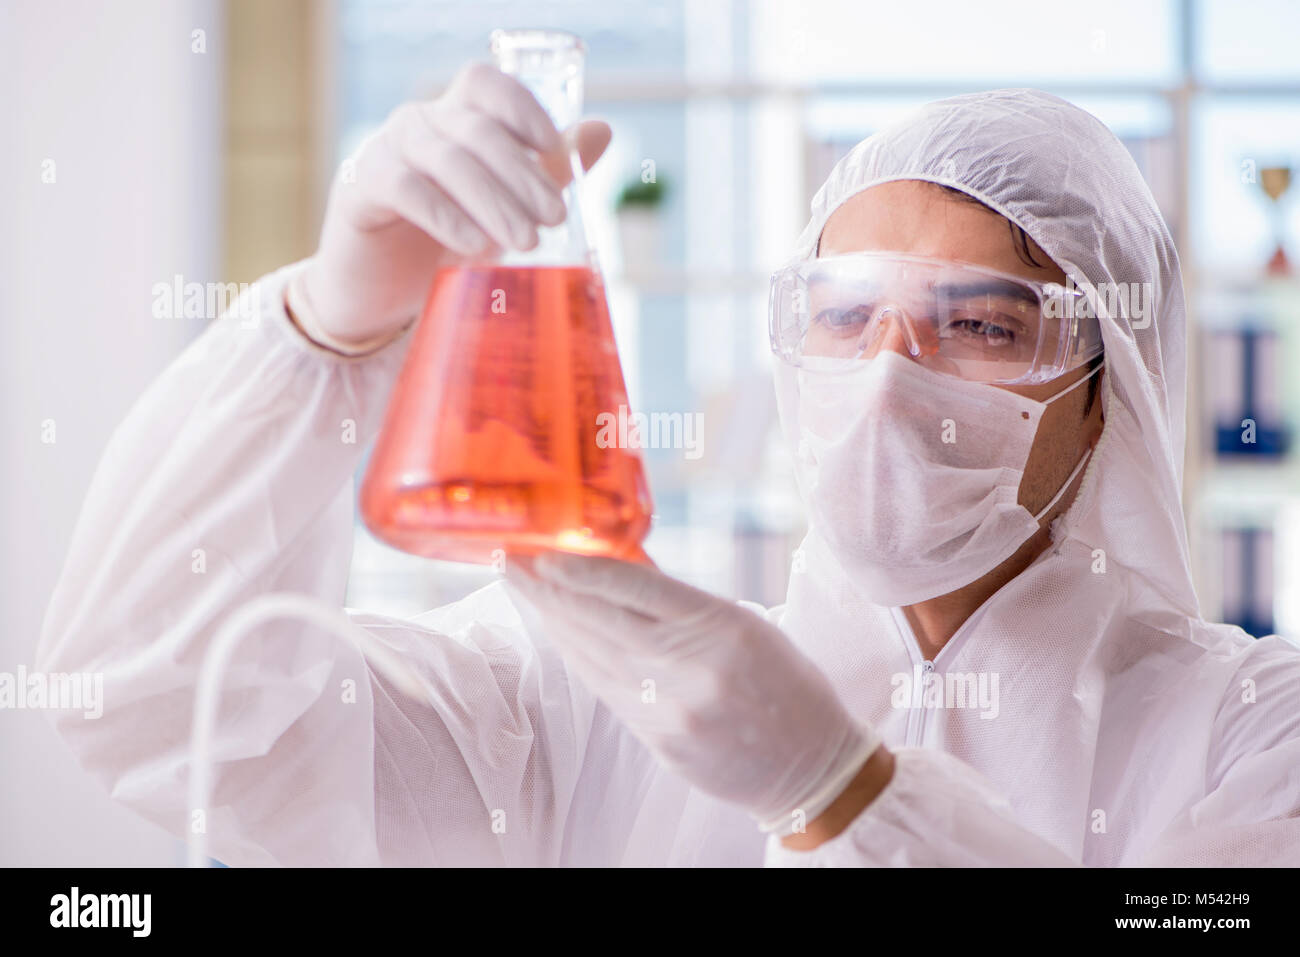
498,432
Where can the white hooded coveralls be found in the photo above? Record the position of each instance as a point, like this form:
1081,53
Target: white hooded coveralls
1130,731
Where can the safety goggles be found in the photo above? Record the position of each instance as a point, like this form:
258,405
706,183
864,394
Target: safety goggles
962,320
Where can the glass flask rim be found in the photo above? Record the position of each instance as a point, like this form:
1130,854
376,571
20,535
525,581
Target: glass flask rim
535,38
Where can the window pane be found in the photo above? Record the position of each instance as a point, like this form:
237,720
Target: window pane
392,50
1247,40
1015,42
1232,140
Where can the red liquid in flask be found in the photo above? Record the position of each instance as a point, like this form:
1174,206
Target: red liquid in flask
491,436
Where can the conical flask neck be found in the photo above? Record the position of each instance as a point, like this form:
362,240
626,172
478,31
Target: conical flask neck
550,65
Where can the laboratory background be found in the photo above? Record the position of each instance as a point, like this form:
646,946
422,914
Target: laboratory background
151,142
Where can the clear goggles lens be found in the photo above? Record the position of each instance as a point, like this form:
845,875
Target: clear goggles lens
961,320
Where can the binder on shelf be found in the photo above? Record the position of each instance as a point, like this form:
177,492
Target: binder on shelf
1248,579
1246,396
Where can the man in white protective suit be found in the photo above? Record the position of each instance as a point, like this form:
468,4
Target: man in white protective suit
991,652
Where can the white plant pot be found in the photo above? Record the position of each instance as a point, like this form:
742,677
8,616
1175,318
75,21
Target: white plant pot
640,236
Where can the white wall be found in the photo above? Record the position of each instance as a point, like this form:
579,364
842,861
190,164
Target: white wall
113,94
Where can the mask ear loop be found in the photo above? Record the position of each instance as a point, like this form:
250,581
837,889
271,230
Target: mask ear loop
1064,485
1087,453
1074,385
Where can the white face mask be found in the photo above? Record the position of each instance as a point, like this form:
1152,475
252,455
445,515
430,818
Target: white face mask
911,476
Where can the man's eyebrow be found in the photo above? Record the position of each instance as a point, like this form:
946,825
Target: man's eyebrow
986,287
956,291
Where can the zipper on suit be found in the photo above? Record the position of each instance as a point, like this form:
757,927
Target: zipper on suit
916,719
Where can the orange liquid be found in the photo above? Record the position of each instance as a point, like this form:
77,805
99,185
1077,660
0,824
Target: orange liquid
492,438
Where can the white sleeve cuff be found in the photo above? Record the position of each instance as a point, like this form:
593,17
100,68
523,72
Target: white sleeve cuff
936,811
303,316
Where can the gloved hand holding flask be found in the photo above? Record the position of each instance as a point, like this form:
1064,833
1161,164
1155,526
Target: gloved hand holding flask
476,171
718,694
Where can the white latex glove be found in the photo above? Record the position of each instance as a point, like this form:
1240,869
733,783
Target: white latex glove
718,694
468,174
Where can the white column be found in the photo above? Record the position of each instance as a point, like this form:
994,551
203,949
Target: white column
113,102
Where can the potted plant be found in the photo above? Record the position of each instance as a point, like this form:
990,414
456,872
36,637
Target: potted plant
640,225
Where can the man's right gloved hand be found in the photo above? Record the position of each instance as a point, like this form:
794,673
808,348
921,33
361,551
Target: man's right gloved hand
467,175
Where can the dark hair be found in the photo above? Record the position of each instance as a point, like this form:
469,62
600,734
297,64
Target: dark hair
1094,384
1018,236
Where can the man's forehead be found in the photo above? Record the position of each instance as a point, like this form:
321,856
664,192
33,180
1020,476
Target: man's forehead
921,218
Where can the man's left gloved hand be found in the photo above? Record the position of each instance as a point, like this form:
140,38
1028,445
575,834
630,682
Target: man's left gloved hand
718,694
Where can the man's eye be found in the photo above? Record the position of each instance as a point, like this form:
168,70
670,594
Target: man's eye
985,329
843,320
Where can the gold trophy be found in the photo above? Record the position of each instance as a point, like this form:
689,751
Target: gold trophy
1274,181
